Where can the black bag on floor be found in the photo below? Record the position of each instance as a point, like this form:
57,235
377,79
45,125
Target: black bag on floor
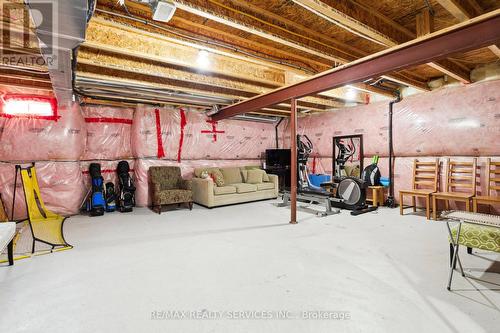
96,203
371,174
126,188
110,197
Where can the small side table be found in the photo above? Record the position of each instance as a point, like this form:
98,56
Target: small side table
377,195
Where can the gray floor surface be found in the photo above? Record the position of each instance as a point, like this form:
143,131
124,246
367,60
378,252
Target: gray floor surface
248,270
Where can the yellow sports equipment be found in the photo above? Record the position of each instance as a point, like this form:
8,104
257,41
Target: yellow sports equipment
46,226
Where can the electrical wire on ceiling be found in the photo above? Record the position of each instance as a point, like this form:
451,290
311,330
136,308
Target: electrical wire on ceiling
431,10
31,71
271,25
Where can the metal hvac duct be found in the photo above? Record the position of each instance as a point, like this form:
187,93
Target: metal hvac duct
60,28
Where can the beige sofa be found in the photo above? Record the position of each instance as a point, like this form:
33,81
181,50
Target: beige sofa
235,190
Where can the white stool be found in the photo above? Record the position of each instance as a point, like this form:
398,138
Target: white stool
7,233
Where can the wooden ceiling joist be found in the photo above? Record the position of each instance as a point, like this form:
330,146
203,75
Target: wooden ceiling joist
345,21
456,9
473,34
322,9
462,14
212,33
208,14
128,41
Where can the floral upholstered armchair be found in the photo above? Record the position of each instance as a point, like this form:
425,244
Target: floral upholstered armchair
168,187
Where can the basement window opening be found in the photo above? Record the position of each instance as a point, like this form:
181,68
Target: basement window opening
29,106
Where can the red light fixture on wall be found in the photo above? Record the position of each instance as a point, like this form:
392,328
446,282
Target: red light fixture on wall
29,106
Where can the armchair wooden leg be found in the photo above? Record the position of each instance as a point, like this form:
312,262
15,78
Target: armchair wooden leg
10,252
414,203
428,207
474,205
469,250
400,203
467,205
434,208
447,205
190,205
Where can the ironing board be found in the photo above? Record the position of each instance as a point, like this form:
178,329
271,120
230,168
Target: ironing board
465,217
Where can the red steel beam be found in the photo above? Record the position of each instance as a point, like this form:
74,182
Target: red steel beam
473,34
293,162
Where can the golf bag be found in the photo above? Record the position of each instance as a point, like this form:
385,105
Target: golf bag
371,174
96,203
126,188
110,197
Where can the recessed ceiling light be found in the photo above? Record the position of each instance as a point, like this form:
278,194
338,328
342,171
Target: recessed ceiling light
203,60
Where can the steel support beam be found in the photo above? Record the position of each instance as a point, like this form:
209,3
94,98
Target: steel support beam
293,162
473,34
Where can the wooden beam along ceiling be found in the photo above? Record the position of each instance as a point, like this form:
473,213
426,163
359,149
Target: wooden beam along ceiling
336,16
208,14
470,35
363,89
456,9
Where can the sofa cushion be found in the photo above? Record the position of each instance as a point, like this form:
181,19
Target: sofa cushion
244,174
198,171
217,177
265,186
265,177
478,237
232,175
172,196
245,188
167,177
224,190
255,176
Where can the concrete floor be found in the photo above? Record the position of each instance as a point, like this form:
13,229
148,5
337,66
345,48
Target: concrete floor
388,273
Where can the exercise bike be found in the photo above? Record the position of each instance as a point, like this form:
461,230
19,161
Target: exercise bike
351,190
306,191
347,192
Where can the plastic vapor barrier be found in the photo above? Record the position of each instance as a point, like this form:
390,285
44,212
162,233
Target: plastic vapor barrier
179,134
108,132
29,139
61,186
462,121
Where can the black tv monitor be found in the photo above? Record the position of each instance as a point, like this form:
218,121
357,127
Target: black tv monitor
278,157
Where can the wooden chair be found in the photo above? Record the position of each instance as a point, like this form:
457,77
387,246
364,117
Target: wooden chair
492,179
425,182
459,176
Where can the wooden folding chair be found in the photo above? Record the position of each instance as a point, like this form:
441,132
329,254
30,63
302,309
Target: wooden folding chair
492,179
460,185
425,182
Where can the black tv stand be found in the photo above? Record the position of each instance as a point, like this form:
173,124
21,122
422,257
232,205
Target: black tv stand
283,173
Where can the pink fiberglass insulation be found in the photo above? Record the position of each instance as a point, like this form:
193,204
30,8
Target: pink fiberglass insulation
61,186
456,122
173,133
451,121
108,132
187,167
29,139
108,171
